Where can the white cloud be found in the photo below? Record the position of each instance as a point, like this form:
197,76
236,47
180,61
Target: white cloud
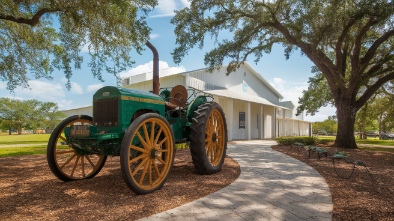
166,8
3,85
289,91
76,88
153,36
148,68
322,115
186,3
41,90
65,104
293,91
94,87
279,81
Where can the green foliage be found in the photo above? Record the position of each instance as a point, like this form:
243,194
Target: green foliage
325,141
329,126
28,114
291,140
318,95
40,36
182,145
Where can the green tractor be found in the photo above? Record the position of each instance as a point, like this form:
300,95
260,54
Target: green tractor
142,128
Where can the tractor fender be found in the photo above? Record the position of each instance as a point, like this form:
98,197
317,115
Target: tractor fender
194,105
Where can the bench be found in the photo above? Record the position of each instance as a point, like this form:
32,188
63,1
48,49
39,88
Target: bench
319,150
339,159
298,145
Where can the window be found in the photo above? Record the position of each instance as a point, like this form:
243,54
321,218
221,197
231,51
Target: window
241,120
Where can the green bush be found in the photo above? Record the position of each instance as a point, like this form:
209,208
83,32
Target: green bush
325,141
303,140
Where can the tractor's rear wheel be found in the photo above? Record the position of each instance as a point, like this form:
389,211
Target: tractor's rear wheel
208,138
147,153
65,162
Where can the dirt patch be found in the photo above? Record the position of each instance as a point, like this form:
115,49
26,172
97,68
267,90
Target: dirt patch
29,191
361,197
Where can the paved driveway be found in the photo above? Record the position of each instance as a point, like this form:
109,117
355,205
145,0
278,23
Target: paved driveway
272,186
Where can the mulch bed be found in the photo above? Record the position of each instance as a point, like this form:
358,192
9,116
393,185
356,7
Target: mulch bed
29,191
361,197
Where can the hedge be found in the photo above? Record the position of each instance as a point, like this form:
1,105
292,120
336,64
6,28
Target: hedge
291,140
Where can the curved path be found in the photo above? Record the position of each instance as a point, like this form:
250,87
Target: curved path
272,186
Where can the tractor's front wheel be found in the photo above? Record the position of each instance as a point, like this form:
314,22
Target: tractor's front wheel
65,162
208,138
147,153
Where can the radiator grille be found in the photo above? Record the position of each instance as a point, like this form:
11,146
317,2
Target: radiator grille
105,112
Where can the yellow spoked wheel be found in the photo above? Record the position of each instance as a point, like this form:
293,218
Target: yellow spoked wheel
208,138
65,161
147,153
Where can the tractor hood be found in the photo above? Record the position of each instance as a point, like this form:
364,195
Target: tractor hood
127,94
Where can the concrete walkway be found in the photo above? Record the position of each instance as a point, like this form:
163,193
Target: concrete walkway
272,186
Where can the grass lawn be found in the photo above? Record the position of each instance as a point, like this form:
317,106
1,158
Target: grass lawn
24,139
25,150
36,139
30,144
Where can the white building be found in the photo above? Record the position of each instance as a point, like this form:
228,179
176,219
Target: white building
253,108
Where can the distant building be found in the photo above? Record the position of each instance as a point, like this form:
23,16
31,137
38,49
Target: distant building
253,108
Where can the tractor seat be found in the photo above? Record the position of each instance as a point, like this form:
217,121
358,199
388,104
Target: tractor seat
177,98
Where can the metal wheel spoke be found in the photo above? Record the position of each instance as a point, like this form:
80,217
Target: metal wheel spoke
68,161
150,172
162,150
146,134
142,140
137,158
158,136
138,149
139,166
156,168
62,138
152,133
161,160
146,166
162,141
89,160
75,166
65,151
83,166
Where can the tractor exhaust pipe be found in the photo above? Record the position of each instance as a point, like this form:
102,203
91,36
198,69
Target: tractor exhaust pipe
156,82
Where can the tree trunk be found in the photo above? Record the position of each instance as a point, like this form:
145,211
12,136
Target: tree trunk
346,119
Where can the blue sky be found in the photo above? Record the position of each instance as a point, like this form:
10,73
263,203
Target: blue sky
289,77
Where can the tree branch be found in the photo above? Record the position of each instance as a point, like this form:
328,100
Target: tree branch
371,51
357,42
32,21
372,89
338,47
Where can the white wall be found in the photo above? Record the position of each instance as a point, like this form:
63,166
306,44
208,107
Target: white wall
79,111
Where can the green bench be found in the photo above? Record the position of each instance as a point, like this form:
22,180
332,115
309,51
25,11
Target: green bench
321,152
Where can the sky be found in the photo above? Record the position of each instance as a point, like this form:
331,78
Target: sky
288,77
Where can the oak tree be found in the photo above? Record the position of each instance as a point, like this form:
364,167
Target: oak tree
350,41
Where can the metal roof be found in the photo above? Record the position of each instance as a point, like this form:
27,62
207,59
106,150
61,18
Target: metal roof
242,96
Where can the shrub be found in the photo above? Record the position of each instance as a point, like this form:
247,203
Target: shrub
291,140
325,141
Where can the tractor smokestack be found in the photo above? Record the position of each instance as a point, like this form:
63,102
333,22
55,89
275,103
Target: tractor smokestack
156,82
